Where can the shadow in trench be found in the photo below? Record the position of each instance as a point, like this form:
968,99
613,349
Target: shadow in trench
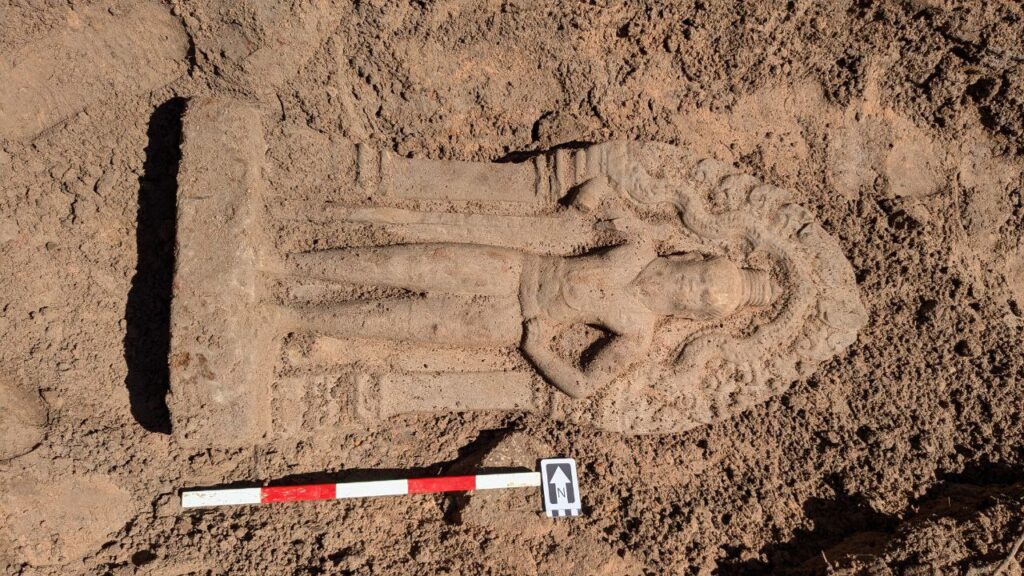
847,527
148,312
845,519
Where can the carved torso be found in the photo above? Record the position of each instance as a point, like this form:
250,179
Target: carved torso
592,289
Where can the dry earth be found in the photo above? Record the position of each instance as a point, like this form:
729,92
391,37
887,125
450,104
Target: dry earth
899,124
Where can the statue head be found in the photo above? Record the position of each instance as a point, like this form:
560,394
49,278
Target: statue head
690,287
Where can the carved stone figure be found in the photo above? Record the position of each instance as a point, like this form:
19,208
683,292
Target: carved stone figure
504,296
322,284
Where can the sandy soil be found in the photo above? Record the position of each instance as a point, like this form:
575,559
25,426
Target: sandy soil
899,125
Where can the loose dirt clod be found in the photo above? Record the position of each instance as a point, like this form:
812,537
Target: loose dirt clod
57,521
98,56
22,416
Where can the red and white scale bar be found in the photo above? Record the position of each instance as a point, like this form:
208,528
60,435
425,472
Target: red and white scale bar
268,494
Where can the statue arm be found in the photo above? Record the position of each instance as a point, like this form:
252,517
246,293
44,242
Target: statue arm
609,362
613,358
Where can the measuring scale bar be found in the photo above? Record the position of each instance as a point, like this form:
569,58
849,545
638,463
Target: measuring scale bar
343,490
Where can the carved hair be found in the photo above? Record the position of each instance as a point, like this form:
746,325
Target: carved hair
714,374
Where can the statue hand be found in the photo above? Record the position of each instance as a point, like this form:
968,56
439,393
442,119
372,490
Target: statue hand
589,195
533,333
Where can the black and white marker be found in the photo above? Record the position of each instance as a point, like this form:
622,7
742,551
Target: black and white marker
557,478
560,486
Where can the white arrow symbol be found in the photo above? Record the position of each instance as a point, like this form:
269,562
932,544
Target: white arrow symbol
560,481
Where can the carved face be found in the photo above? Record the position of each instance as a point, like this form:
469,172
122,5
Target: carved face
687,287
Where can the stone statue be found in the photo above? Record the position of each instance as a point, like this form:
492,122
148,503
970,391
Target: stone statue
322,284
475,294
